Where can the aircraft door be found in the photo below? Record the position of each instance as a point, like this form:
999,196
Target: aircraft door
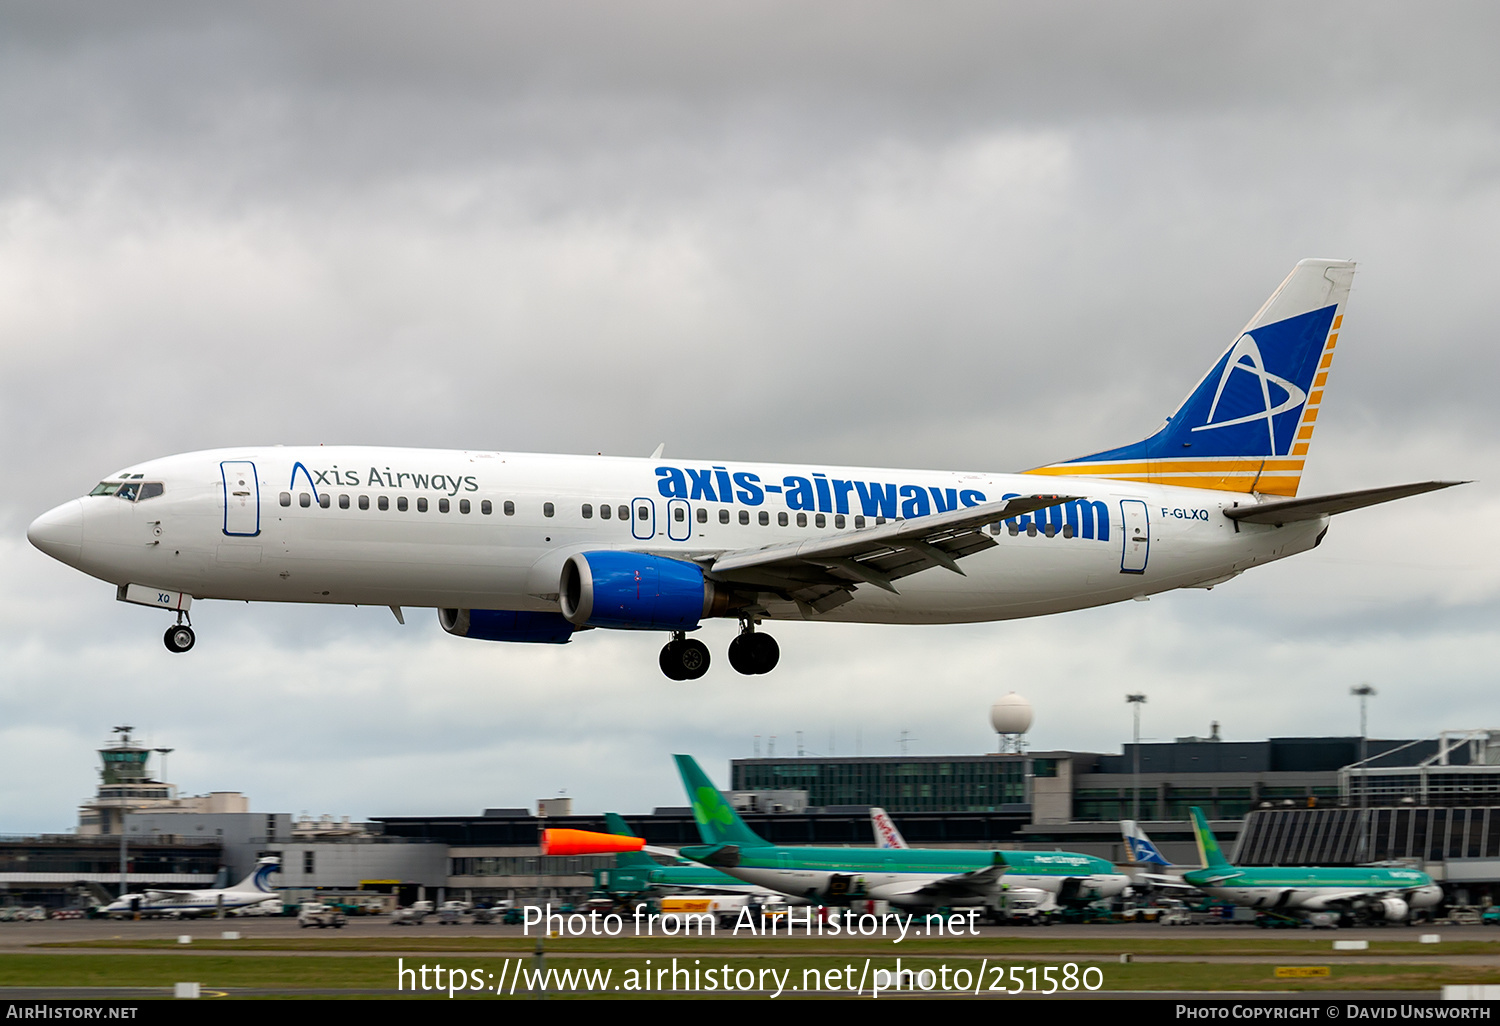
1137,541
643,519
241,499
679,520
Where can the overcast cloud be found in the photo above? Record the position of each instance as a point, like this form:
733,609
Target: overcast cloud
949,235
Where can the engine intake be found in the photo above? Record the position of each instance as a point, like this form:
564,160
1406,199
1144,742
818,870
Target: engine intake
634,591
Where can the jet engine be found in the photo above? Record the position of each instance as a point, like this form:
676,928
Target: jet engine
507,625
635,591
1392,910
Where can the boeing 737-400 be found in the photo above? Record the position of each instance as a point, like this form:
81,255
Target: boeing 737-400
515,547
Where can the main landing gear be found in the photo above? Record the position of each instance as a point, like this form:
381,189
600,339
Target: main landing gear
684,658
752,652
180,636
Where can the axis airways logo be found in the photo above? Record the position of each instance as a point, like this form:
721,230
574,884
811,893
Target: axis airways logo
334,476
1245,356
814,492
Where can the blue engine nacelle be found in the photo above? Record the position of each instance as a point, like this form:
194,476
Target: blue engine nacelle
634,591
507,625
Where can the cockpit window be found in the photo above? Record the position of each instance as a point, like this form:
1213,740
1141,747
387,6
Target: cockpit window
130,491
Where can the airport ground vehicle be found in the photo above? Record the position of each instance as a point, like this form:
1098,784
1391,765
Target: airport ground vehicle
533,548
315,913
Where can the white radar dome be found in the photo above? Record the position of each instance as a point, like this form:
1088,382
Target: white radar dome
1011,715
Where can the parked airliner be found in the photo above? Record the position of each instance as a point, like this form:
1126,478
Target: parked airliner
517,547
250,891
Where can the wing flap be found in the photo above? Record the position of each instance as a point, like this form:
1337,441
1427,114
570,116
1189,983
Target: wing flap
819,573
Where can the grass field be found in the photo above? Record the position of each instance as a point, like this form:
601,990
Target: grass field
379,972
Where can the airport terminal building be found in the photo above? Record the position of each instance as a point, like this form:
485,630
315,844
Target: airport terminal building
1432,803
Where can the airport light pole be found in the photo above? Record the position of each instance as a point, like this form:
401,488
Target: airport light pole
1364,692
1136,701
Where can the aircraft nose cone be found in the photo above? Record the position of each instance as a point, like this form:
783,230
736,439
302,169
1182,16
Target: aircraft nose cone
59,532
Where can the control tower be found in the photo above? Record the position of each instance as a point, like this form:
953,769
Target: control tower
125,786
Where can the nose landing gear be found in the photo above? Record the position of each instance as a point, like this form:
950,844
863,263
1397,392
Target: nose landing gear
684,658
752,653
180,636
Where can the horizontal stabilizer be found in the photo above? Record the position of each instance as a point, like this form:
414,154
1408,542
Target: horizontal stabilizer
1289,511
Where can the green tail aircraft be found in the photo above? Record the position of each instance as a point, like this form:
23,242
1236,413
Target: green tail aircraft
906,877
636,872
1360,892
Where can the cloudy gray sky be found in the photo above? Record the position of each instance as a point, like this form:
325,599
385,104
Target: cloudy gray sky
946,235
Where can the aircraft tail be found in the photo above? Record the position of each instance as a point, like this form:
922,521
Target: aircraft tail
260,875
1248,424
1208,845
616,824
886,834
1139,849
718,823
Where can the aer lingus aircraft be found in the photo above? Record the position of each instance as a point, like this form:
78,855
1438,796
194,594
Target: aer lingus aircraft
1360,893
516,547
905,877
250,891
636,872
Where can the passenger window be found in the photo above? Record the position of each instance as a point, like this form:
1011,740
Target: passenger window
384,502
325,500
859,523
723,516
1051,530
422,504
643,513
702,515
486,507
744,516
151,489
838,521
624,512
510,508
304,500
588,511
679,514
401,503
364,502
879,521
343,502
1014,530
463,505
286,498
801,519
1067,530
605,512
820,521
1031,530
547,509
781,518
442,505
765,518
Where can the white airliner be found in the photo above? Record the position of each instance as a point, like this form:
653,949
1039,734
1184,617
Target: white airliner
520,547
250,891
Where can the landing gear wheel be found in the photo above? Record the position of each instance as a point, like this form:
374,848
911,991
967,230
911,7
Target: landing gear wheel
684,659
179,638
753,653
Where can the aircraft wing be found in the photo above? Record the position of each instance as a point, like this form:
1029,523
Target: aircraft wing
819,574
1289,511
964,885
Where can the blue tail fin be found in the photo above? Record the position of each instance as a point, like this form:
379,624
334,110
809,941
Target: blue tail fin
1139,848
1248,424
